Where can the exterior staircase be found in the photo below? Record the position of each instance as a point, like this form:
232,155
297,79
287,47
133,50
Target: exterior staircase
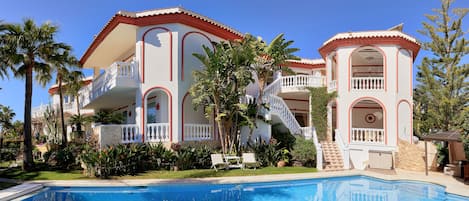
279,108
332,157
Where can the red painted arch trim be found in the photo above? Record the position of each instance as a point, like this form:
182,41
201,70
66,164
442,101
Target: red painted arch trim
182,115
170,97
384,65
397,119
183,45
349,127
142,60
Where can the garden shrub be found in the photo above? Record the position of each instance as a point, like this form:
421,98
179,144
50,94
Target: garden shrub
131,159
304,151
284,138
62,158
266,153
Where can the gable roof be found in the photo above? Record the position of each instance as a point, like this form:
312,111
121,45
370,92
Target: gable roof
161,16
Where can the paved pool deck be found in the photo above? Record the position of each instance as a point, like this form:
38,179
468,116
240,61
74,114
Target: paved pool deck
452,184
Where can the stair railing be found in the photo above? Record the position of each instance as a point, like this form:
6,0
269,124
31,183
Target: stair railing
319,163
279,107
344,149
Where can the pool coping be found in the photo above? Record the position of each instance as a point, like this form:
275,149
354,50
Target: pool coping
451,184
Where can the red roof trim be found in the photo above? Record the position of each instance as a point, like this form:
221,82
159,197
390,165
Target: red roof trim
295,64
404,43
156,20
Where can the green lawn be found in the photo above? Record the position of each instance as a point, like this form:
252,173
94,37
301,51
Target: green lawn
163,174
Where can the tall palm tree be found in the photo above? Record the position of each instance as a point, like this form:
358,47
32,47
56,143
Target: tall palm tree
63,64
6,118
27,48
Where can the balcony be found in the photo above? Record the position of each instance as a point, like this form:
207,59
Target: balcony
294,83
300,82
114,87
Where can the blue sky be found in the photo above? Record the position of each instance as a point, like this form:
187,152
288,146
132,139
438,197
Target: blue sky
309,23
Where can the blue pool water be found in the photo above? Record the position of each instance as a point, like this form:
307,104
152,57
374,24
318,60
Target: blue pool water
354,188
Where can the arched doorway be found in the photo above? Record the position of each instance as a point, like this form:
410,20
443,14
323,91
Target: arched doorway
157,115
367,122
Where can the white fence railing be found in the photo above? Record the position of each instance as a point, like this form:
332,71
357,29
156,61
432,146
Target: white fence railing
198,132
157,132
302,81
368,135
130,133
279,107
344,149
367,83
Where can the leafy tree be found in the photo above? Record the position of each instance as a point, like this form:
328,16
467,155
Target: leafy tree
27,48
221,84
441,97
6,118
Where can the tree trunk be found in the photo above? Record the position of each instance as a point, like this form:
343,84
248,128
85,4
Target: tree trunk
62,119
77,98
28,163
78,112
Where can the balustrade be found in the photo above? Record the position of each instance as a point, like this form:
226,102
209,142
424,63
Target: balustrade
367,83
157,132
367,135
198,132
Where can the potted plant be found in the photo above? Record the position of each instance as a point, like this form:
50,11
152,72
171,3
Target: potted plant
284,156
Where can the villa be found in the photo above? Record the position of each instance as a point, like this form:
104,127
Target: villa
143,64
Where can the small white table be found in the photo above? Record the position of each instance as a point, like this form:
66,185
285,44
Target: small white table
229,158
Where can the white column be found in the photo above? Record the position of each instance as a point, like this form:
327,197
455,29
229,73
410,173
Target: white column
138,110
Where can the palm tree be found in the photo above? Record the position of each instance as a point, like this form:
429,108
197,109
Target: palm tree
27,48
63,64
75,82
6,118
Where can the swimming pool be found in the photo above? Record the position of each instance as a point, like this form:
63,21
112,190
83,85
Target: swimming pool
356,188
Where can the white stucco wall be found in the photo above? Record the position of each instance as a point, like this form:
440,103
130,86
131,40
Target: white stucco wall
389,97
159,55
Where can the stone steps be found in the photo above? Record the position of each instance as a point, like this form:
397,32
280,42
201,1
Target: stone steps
332,157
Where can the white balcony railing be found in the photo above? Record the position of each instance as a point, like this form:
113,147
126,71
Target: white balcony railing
198,132
130,133
157,132
302,81
119,74
367,83
368,135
